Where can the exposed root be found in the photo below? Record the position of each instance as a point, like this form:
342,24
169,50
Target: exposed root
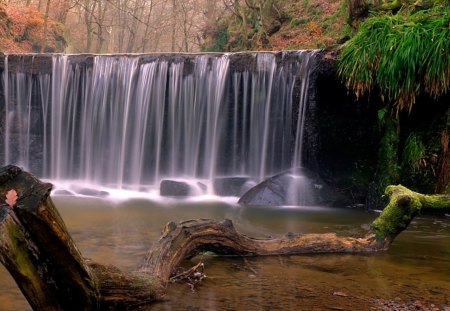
192,276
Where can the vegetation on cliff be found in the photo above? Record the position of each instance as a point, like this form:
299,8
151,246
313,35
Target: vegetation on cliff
277,25
399,58
23,29
402,55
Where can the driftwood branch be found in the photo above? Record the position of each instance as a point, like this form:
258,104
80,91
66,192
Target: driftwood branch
39,253
187,239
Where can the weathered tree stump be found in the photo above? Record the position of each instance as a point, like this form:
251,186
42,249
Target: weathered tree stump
37,250
41,256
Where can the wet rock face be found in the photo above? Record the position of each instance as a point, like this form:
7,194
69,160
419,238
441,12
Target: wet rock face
41,63
174,188
92,192
63,192
294,187
232,186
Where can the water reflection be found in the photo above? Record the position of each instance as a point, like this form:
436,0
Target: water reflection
416,267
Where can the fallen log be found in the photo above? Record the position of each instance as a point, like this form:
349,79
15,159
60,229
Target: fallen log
37,250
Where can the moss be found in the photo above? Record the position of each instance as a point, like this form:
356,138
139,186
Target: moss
24,267
388,153
404,205
436,201
395,5
397,215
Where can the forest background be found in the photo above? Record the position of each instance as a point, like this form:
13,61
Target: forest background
142,26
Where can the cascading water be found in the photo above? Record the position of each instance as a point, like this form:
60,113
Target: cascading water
128,122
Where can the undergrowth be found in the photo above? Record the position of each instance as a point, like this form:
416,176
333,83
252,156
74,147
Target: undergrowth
413,152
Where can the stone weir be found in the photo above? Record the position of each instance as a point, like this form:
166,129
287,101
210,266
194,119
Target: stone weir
132,121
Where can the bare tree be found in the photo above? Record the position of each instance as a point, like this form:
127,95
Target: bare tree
116,26
44,41
147,26
174,25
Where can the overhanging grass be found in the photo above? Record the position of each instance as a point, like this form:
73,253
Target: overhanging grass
402,55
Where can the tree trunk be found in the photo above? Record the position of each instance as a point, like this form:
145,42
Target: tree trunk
89,11
41,256
443,171
174,25
44,39
356,11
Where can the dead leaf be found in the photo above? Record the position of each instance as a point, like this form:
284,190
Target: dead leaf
340,294
11,198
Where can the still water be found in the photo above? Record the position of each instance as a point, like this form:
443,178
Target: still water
417,267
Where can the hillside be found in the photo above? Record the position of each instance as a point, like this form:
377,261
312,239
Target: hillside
311,24
278,25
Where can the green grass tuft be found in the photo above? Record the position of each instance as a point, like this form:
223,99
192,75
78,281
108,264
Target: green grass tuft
402,55
413,152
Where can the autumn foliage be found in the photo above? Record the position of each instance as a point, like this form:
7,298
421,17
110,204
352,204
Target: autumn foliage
22,30
11,198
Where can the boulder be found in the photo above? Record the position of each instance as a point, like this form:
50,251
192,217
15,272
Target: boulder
62,192
296,187
172,188
91,192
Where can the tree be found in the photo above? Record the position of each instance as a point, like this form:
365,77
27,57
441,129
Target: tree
34,239
129,26
248,23
47,8
356,11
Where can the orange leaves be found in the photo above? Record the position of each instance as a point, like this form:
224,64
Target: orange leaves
11,198
24,21
22,29
315,29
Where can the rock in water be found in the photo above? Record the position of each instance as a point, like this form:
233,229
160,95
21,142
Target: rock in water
297,187
172,188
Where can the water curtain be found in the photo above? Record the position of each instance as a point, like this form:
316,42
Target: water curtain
131,121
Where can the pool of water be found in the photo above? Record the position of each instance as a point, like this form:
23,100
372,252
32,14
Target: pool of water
415,268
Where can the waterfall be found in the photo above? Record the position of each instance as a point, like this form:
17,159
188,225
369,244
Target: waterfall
128,122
